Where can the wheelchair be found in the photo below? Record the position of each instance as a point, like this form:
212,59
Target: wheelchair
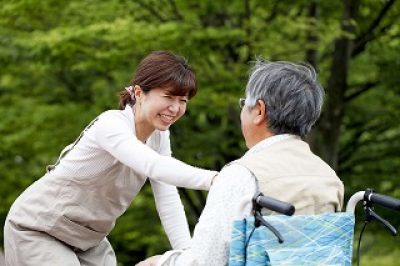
296,240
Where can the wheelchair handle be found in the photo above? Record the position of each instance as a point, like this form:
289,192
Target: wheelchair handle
274,204
369,195
385,201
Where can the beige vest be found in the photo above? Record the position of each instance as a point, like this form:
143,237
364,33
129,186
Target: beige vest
290,172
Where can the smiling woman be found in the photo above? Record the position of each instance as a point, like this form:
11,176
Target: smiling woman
156,109
158,92
65,216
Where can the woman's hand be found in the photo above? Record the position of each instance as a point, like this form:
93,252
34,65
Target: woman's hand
152,261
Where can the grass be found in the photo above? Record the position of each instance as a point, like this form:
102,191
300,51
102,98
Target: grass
378,249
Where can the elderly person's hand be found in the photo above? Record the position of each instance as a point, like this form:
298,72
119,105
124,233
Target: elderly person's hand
152,261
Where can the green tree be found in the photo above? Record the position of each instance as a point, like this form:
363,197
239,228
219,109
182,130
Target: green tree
63,62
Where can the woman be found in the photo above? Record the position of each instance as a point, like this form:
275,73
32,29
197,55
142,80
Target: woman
64,217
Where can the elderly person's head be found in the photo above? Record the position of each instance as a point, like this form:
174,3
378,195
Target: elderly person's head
291,94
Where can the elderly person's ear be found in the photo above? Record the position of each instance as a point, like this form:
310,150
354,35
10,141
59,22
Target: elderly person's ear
261,110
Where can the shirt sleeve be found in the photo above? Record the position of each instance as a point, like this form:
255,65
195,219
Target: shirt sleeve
117,138
211,239
172,214
169,204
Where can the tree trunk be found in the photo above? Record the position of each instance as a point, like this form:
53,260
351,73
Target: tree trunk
312,34
328,128
312,56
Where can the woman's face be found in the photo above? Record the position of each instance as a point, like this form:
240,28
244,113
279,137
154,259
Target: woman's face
159,109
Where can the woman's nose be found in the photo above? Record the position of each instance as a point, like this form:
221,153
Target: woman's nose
174,106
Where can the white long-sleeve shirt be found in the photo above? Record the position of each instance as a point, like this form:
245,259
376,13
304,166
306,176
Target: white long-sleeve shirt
95,182
211,238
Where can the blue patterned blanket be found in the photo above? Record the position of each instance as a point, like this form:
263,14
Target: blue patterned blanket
323,240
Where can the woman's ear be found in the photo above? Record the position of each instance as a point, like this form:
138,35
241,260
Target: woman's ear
260,110
137,91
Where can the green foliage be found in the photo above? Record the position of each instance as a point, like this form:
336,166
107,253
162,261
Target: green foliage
378,249
63,62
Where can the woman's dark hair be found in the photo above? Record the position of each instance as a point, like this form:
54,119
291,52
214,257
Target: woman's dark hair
162,69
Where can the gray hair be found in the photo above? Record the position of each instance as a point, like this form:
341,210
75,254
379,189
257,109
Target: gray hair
291,92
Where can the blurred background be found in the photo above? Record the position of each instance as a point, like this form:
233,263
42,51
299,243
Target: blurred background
64,62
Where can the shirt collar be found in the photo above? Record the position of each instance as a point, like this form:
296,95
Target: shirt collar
269,142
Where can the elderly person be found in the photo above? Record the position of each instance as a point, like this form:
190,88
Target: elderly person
283,101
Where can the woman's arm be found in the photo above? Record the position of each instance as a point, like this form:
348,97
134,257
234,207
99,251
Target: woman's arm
172,214
117,138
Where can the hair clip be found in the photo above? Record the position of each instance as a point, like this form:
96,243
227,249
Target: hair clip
130,90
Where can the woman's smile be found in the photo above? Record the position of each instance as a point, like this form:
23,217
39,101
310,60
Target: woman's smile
167,118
